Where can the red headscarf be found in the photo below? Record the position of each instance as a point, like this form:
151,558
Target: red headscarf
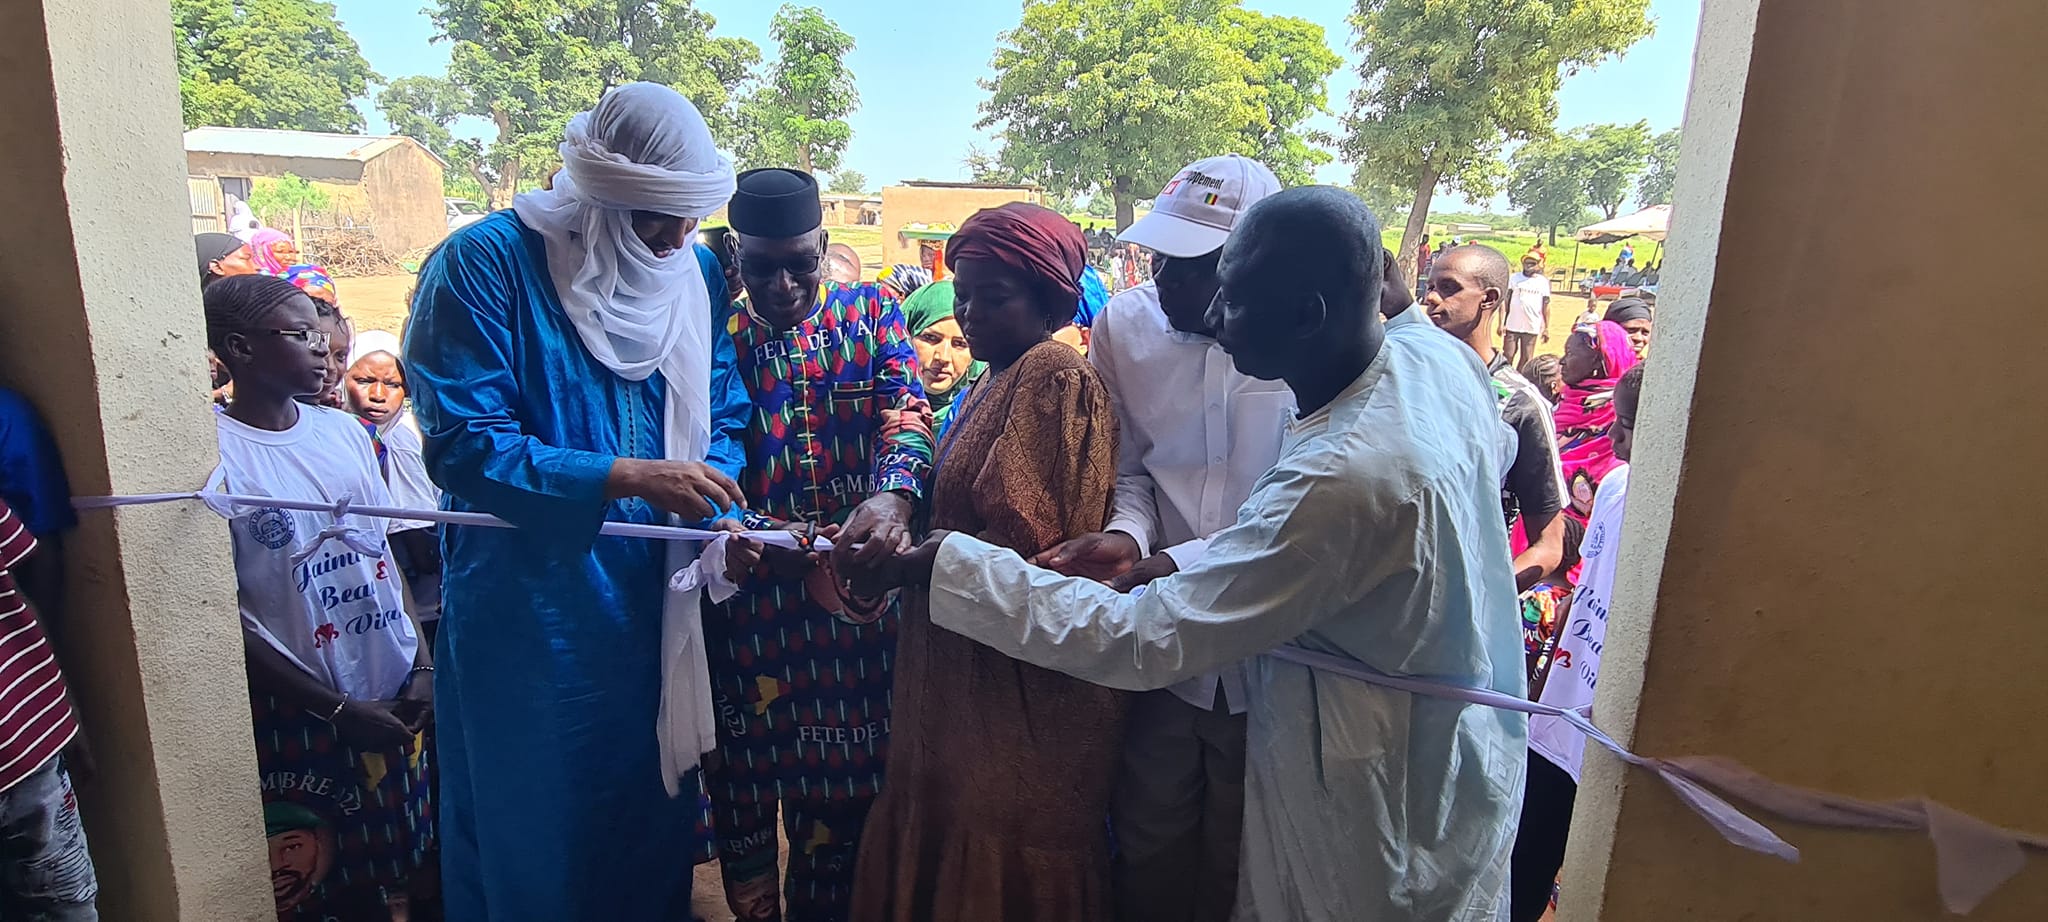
1028,238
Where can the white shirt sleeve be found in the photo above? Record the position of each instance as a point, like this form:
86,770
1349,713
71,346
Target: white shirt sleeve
1134,506
1188,553
1308,553
407,478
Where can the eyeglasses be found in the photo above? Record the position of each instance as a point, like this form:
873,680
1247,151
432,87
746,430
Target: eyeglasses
314,339
797,267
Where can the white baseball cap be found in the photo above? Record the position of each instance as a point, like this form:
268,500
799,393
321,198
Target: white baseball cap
1199,206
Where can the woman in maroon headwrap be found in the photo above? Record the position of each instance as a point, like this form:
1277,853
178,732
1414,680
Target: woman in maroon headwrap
999,772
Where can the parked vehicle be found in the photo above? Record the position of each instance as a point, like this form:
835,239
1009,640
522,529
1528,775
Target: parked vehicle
463,212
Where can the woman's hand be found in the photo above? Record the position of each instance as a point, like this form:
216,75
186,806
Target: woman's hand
415,703
371,726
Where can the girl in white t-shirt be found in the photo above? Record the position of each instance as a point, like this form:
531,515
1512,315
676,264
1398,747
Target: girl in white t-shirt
339,684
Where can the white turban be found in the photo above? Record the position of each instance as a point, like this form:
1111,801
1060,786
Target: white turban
645,148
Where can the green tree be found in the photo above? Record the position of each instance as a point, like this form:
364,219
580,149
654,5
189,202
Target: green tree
1445,83
1547,181
797,115
422,108
1661,173
1612,156
530,65
983,166
848,182
1101,207
1388,202
287,201
268,64
1110,97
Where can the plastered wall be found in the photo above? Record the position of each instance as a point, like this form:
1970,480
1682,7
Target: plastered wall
100,327
1831,564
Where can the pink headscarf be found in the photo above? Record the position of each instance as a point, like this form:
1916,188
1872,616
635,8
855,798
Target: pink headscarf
1585,411
263,245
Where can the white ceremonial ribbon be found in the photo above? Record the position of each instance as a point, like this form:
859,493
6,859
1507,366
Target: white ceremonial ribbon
368,544
226,504
707,573
1973,858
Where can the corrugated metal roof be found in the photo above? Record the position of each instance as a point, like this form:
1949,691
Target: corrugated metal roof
271,142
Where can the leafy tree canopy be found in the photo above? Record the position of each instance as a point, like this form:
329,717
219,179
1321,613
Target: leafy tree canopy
1612,157
796,117
530,65
422,108
1112,96
1548,182
1661,172
268,64
1446,83
848,182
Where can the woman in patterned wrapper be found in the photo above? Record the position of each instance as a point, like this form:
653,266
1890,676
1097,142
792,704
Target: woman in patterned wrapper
999,778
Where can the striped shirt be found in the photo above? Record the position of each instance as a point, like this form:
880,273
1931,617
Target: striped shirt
35,713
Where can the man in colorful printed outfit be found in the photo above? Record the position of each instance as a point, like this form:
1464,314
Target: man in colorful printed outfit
799,666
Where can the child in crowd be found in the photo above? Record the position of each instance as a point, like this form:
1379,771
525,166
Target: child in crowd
317,285
1547,373
374,386
339,683
45,872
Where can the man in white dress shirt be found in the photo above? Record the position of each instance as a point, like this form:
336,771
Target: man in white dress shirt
1376,538
1196,434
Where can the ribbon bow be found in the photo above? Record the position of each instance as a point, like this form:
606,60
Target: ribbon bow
362,542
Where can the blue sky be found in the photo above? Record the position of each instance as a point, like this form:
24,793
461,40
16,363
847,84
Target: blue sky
912,125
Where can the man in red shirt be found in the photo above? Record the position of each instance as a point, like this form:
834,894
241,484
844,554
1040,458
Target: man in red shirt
44,864
1421,266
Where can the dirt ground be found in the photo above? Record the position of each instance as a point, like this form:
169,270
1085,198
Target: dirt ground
376,302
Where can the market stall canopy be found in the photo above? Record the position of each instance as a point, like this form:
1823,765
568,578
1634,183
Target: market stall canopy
1649,223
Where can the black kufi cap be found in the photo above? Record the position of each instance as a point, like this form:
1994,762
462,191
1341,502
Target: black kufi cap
776,203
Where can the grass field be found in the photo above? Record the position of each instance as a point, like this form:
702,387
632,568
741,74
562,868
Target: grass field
1591,258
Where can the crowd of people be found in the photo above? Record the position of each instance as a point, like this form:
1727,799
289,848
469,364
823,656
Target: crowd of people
1025,681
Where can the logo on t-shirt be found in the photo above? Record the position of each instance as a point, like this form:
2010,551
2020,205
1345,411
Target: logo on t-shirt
271,527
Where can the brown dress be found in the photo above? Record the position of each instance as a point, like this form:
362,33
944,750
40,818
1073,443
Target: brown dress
994,805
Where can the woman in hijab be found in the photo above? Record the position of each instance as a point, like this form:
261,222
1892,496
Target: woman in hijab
1634,316
999,772
945,365
222,256
1594,360
903,280
274,251
374,386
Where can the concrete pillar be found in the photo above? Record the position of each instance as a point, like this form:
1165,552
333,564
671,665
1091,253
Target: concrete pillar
100,327
1832,566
